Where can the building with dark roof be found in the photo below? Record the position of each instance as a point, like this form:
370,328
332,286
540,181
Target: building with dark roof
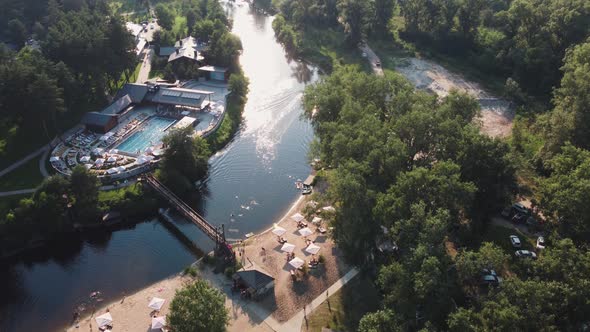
186,49
165,51
99,122
135,91
118,106
256,281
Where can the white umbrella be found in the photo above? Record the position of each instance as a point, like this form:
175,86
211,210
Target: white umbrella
297,217
296,262
312,249
278,231
98,150
329,208
316,220
112,170
104,319
113,151
288,247
158,322
156,303
88,166
149,149
85,159
121,168
104,138
141,161
305,231
99,161
54,158
111,159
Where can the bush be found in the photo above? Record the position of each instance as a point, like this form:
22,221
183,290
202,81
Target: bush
190,270
321,259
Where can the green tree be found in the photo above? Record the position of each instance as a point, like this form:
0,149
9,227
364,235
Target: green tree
185,159
198,307
382,320
165,16
84,193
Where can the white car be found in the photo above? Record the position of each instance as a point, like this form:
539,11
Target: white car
525,254
515,241
541,243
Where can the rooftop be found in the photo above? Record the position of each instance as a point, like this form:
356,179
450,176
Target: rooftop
182,97
135,91
214,69
118,105
95,118
134,29
255,278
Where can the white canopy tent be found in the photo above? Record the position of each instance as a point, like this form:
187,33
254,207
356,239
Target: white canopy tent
329,208
297,217
98,151
296,262
54,159
149,149
113,151
104,319
121,169
158,322
156,303
111,159
88,166
279,231
312,249
99,161
316,220
112,170
85,159
305,231
288,247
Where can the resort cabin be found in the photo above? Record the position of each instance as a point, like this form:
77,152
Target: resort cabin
254,281
215,73
186,50
99,122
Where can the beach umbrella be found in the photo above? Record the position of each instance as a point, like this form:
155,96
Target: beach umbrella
98,150
316,220
88,166
296,262
113,151
158,322
297,217
85,159
149,149
141,161
305,231
111,159
288,247
156,303
121,168
278,231
99,161
329,208
312,249
104,319
54,158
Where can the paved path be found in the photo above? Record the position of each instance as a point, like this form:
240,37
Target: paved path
24,160
372,58
42,164
146,66
17,192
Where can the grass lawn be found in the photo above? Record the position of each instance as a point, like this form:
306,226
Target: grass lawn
327,48
132,78
27,176
344,309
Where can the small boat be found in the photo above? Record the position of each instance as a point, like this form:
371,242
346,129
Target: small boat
299,185
306,190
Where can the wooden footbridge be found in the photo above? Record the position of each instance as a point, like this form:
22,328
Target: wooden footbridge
216,234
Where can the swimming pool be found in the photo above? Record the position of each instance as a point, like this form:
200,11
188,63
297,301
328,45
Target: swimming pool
150,133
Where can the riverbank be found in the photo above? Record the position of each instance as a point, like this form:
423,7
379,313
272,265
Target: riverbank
130,313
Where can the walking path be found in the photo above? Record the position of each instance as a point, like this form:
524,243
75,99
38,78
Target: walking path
16,192
146,67
24,160
372,58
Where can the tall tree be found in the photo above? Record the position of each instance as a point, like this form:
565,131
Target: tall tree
198,307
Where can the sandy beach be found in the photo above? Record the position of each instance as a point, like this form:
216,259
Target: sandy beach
132,313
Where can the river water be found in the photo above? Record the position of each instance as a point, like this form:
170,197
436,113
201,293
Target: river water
251,184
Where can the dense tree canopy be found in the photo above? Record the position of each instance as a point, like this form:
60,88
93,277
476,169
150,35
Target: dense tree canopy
198,307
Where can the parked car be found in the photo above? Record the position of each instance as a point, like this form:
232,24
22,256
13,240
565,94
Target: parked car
541,243
364,55
515,241
518,218
525,254
489,277
519,208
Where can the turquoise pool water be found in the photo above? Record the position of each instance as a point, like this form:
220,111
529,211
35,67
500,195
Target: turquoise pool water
151,133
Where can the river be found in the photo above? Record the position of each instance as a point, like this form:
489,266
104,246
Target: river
250,184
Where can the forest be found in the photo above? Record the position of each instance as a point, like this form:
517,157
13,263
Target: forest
410,168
